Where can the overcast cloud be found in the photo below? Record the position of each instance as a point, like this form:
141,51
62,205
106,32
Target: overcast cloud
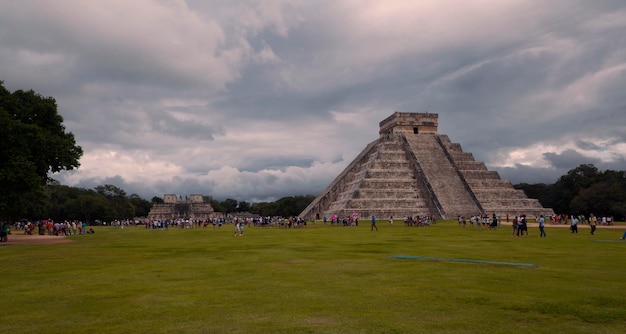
256,100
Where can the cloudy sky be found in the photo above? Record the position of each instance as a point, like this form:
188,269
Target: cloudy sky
256,100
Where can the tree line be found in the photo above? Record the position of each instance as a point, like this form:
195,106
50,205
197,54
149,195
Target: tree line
583,190
106,203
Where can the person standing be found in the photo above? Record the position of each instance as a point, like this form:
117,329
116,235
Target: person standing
374,224
515,226
236,228
542,225
523,227
574,226
4,232
592,223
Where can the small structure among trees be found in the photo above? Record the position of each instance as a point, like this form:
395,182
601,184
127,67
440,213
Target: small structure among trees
191,207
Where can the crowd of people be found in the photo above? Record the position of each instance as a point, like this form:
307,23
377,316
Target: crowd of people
566,219
218,222
518,222
481,221
45,227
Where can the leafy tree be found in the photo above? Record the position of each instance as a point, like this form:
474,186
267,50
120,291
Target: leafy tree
102,203
119,203
110,191
217,206
244,206
142,206
89,207
285,207
568,186
583,190
230,205
157,200
34,145
264,209
605,197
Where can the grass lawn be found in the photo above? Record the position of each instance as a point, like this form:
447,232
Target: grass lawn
318,279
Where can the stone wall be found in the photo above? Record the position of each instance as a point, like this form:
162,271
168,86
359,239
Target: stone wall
191,207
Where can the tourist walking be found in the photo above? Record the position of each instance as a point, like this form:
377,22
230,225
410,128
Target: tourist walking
542,225
374,224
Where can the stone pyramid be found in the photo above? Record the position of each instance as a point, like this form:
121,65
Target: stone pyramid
412,170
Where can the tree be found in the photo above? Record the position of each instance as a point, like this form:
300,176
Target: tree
34,145
568,185
121,205
583,190
58,197
244,206
142,206
217,206
89,207
230,205
285,207
605,197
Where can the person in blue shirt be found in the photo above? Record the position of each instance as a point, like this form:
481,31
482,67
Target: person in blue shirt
542,225
374,223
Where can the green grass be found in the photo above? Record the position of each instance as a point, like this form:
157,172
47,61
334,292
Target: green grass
318,279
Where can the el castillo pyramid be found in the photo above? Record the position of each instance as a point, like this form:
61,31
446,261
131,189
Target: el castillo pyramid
412,170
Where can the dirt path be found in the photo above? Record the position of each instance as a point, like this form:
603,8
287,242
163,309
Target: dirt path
22,239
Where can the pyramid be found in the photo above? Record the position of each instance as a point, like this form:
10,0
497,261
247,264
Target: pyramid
412,170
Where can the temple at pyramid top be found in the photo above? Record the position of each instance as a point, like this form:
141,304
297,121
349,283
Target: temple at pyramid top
409,122
412,170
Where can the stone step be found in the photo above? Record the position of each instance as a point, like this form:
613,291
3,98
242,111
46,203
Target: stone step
386,174
468,165
489,183
385,203
481,175
387,184
392,164
377,193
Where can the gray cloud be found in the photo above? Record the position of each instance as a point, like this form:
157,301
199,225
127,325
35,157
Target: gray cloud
568,158
262,99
